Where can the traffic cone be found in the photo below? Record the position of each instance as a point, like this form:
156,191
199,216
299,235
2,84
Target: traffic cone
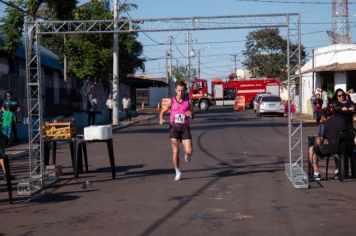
142,106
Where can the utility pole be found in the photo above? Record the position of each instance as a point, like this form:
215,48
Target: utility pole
167,68
188,56
170,56
169,65
115,84
235,61
199,64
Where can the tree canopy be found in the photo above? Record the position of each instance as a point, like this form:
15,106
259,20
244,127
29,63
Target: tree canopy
89,56
266,54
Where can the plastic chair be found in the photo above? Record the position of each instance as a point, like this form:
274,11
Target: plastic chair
345,141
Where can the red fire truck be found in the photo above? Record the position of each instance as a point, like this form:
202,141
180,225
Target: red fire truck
224,93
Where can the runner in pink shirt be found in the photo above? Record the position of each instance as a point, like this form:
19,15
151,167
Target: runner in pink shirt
179,130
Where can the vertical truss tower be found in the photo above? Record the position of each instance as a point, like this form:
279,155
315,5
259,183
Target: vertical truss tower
340,22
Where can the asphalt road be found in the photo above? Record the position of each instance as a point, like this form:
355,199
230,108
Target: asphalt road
234,185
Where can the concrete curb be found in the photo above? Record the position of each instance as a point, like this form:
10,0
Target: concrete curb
21,154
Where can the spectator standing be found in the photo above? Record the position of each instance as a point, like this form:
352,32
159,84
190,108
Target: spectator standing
92,104
109,106
8,118
292,109
12,105
352,96
312,102
318,105
324,97
343,108
126,104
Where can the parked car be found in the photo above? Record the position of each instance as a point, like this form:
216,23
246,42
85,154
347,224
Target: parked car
257,99
270,104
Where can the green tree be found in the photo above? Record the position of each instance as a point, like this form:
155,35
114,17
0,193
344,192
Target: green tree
11,31
180,73
129,53
51,9
266,54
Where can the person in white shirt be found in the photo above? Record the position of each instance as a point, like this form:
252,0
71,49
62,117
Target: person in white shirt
92,104
324,97
126,104
353,96
109,106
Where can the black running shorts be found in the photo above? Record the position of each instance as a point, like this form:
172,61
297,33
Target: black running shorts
180,132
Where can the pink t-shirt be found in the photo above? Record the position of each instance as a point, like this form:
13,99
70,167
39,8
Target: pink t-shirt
178,111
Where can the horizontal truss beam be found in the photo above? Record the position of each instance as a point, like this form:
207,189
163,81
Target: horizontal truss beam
165,24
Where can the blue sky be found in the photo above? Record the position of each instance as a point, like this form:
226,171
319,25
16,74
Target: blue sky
217,46
216,58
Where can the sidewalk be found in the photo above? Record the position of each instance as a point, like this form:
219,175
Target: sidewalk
21,150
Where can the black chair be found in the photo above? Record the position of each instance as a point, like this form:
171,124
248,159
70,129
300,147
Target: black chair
345,141
345,147
7,176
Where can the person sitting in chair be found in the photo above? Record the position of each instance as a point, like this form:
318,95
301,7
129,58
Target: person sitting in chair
328,129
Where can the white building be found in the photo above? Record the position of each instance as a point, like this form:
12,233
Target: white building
243,74
330,68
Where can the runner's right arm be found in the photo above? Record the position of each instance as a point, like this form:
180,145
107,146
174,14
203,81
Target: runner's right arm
164,110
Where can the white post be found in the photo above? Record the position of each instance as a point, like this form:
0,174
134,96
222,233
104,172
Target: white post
115,84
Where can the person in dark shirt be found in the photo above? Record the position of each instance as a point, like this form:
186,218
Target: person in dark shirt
328,129
318,104
343,107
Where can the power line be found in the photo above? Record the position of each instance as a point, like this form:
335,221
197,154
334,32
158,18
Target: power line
158,43
180,52
153,59
290,2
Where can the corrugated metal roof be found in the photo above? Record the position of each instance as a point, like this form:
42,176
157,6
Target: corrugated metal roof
48,58
333,67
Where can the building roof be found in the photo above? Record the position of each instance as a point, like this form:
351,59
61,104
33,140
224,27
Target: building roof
48,58
144,81
148,78
337,57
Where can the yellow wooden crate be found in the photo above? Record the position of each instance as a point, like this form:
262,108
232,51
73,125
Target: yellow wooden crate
58,130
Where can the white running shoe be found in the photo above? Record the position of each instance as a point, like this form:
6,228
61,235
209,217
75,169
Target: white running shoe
178,175
187,158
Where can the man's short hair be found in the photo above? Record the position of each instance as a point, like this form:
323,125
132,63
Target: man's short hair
180,83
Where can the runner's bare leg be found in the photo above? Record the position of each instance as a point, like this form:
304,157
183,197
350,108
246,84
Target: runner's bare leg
175,152
188,147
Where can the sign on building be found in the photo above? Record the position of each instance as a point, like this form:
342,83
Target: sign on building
143,95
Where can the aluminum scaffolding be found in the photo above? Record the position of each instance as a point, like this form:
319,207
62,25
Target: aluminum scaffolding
39,179
294,168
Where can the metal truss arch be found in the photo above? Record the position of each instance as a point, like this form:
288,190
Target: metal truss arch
33,30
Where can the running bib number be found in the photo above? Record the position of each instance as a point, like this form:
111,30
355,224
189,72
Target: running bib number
179,119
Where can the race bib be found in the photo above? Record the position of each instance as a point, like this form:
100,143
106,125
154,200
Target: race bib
179,118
